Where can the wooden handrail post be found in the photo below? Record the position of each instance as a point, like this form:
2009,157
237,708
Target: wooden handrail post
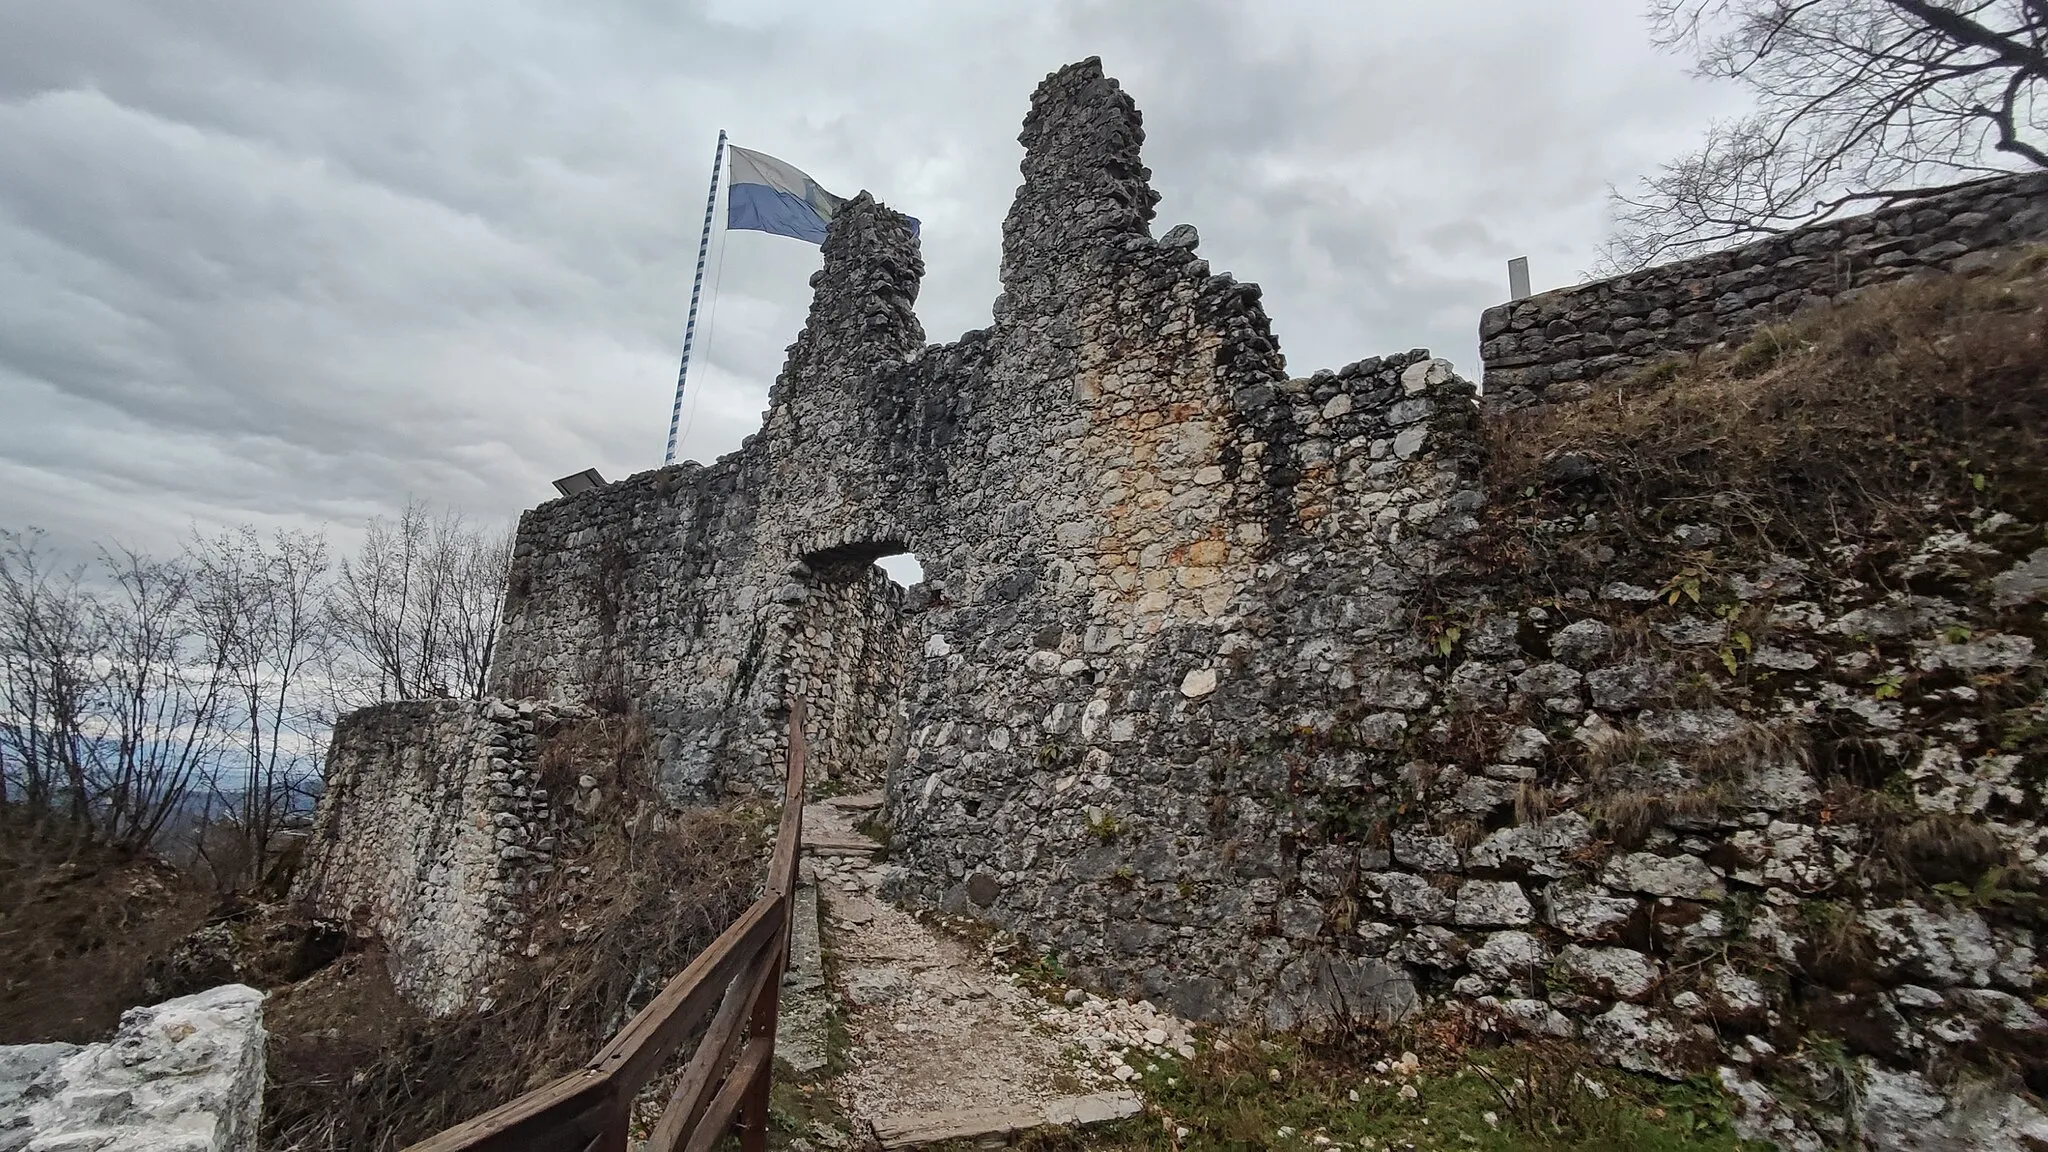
618,1123
782,880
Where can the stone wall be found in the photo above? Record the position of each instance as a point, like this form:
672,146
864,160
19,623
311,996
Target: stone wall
184,1074
1558,344
432,827
1214,689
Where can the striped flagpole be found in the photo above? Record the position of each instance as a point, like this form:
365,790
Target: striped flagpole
675,416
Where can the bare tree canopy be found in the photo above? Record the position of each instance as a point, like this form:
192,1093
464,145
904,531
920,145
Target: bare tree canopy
416,608
139,696
1859,104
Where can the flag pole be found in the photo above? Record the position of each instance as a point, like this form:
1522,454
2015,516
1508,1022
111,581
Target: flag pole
675,415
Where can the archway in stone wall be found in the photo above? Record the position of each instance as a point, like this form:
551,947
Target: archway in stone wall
851,662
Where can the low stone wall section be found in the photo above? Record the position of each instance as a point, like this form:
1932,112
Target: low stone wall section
432,829
1557,345
185,1074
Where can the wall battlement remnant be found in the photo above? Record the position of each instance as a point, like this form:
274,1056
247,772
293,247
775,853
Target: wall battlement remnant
1557,345
1212,687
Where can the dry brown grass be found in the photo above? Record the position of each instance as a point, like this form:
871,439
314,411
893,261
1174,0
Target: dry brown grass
1627,817
78,927
1829,425
657,891
1755,747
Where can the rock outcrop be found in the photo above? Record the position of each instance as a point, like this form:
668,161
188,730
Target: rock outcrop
184,1075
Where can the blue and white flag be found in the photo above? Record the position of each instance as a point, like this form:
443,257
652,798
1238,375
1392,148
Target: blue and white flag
767,195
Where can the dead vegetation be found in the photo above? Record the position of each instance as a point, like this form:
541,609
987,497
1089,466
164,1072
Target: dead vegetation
351,1067
1835,425
79,924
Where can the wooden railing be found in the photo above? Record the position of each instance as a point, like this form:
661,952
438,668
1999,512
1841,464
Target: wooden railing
725,1084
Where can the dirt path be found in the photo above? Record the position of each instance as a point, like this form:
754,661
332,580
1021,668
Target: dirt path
937,1026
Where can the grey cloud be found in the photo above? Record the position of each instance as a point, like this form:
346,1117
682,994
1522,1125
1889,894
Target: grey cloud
291,263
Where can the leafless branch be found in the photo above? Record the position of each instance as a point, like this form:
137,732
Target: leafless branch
1857,101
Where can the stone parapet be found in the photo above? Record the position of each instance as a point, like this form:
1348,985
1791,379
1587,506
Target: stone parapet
1557,345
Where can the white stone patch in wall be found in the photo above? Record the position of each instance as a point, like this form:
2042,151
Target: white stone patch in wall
1492,904
1685,877
1424,375
1404,896
1942,948
1785,659
1627,593
1902,1112
1092,717
2023,582
1419,849
1640,1040
2000,653
1610,973
1509,957
1410,441
1585,912
936,646
1539,847
1199,682
1789,854
1338,405
1525,745
1944,782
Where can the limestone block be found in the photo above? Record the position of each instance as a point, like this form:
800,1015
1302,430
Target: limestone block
186,1074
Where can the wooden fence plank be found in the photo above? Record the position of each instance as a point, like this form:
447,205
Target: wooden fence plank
567,1106
714,1052
754,1060
651,1037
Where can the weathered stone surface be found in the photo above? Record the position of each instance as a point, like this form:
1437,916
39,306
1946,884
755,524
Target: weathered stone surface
1642,1040
1408,897
1940,947
1582,642
1540,847
1609,973
1320,990
1587,912
1492,904
426,826
186,1074
1509,957
2024,582
1989,654
1683,876
1901,1112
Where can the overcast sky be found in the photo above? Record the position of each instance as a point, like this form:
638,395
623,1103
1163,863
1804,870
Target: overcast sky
291,262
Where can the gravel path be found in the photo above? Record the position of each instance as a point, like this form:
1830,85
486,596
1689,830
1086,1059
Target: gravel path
938,1025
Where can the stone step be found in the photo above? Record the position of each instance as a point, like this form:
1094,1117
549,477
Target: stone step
858,802
996,1127
832,842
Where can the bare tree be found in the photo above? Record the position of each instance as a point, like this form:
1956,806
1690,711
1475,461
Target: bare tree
108,706
417,606
138,690
158,699
46,673
258,604
1860,104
